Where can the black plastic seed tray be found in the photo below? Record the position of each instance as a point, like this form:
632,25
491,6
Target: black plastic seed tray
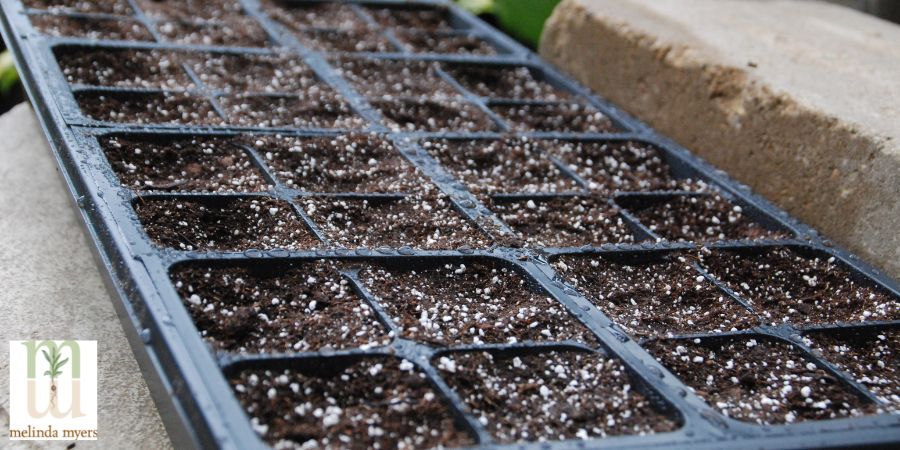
376,223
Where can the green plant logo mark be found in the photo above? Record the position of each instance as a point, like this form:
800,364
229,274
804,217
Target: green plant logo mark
55,364
55,370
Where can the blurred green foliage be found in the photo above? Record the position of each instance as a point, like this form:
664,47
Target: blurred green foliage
523,19
8,75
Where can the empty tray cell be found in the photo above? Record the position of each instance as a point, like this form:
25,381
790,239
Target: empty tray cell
654,296
419,18
299,308
500,166
81,6
314,108
240,73
505,82
555,117
383,77
550,396
239,31
358,40
695,218
191,9
783,285
122,68
345,163
91,27
868,355
147,108
470,302
373,402
564,221
449,43
297,16
619,166
224,224
190,164
433,115
758,380
421,222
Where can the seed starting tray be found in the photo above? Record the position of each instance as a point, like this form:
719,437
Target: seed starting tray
457,211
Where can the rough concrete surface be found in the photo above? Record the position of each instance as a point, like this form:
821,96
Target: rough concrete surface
50,288
798,99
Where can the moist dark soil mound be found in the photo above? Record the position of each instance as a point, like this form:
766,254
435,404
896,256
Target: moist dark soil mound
558,117
426,19
186,10
194,164
238,31
382,77
252,73
433,115
81,6
346,163
456,44
654,297
304,307
122,68
313,15
353,40
147,108
377,402
426,222
758,381
784,286
501,166
551,396
869,355
564,221
505,82
91,28
232,224
316,107
471,303
704,218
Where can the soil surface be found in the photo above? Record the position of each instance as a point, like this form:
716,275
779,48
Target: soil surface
456,44
300,308
313,15
316,107
426,19
705,218
91,28
239,31
564,221
470,303
376,402
785,286
505,82
252,73
654,296
870,356
555,117
551,396
192,164
82,6
424,221
122,68
346,163
432,115
758,380
187,10
147,108
381,77
353,40
224,224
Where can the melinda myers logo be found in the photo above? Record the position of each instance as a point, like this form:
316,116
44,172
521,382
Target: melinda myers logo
53,390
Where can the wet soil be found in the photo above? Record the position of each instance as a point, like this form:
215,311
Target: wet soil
380,77
316,107
81,6
147,108
353,40
122,68
91,28
252,73
456,44
238,31
433,115
313,15
425,19
187,10
556,117
505,82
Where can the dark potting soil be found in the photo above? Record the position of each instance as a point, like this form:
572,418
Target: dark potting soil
505,82
147,108
190,164
187,10
313,15
704,218
426,221
375,402
554,395
300,308
654,297
91,27
224,224
564,221
82,6
500,166
785,286
252,73
122,68
382,77
558,117
870,356
316,107
351,40
456,44
756,380
433,115
346,163
470,303
239,31
419,18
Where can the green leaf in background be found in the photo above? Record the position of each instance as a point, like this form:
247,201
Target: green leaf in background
8,75
524,19
477,7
